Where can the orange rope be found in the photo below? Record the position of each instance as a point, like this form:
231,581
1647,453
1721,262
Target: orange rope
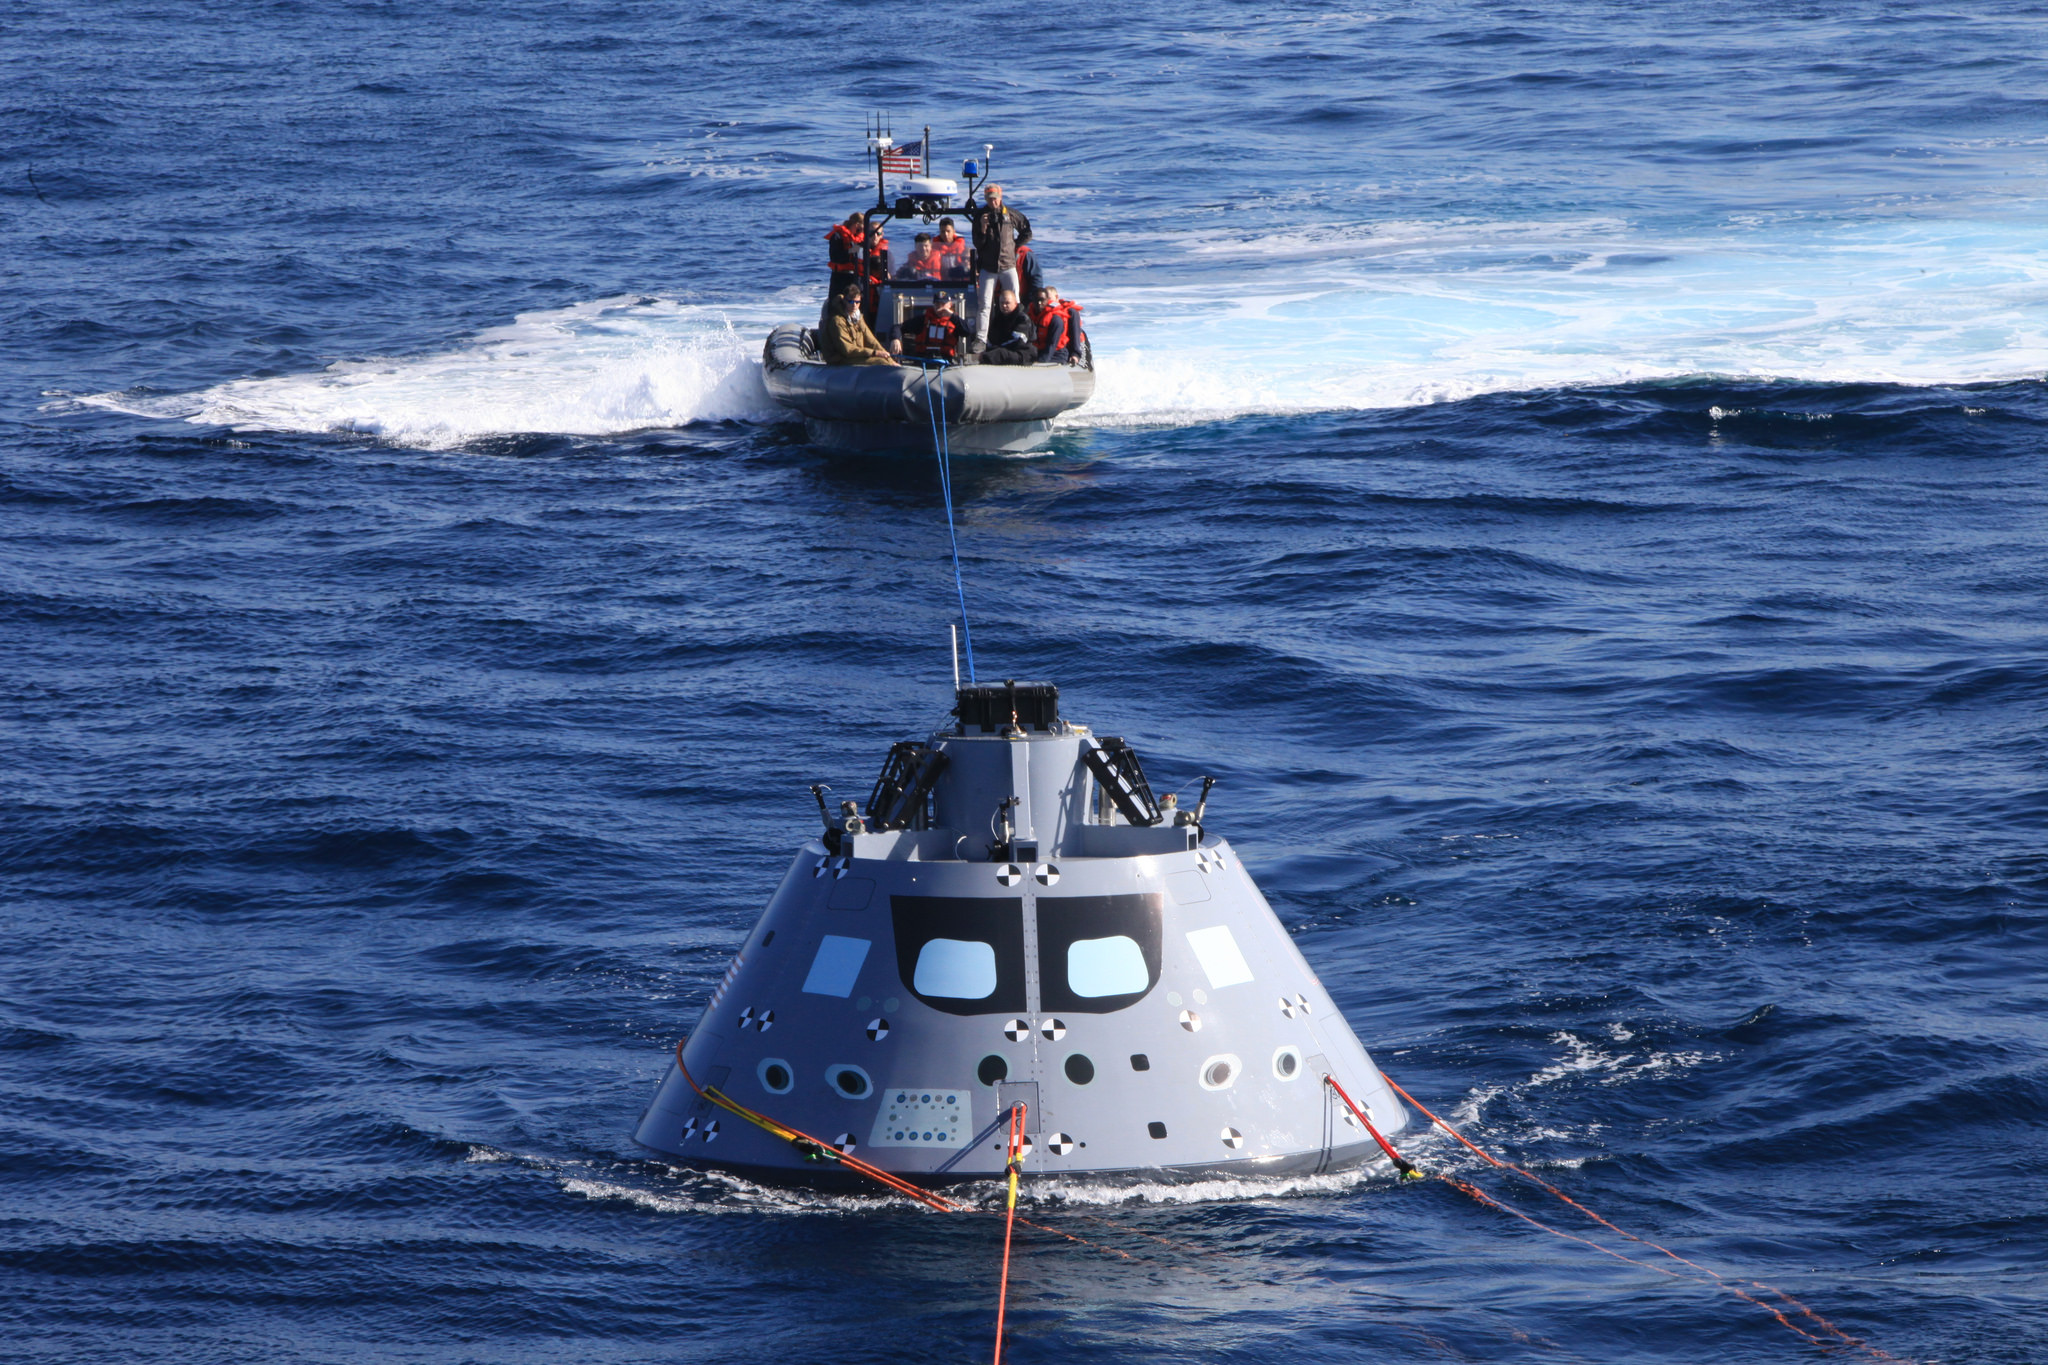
1714,1276
1407,1168
1483,1197
813,1147
824,1151
827,1152
1015,1163
1092,1246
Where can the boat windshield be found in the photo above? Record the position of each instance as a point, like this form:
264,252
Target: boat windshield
903,302
918,272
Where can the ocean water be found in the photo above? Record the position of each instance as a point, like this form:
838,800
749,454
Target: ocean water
1576,473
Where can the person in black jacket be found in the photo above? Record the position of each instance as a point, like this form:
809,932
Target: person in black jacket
1011,335
998,232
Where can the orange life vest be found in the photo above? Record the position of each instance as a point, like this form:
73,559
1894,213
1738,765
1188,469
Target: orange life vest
938,335
1069,310
845,245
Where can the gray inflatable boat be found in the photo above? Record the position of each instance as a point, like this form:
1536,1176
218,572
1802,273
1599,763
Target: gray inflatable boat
985,408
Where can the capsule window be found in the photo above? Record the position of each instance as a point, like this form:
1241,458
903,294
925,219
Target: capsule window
1097,954
992,1071
1287,1063
849,1081
776,1077
958,969
1156,1128
961,954
1140,1062
1220,1073
1080,1070
1106,966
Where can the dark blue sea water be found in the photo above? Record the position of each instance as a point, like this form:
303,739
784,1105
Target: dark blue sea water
1578,473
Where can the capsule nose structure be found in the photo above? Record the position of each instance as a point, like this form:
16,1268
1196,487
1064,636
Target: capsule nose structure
1016,918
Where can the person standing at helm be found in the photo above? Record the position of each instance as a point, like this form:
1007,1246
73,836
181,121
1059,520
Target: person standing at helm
998,232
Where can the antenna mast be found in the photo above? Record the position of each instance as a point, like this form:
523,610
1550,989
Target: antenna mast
879,141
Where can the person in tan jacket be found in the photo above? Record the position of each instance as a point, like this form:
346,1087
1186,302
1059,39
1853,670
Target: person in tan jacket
846,339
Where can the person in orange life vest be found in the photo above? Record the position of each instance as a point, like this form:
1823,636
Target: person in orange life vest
923,263
1055,326
939,334
845,243
1077,340
877,273
878,255
952,249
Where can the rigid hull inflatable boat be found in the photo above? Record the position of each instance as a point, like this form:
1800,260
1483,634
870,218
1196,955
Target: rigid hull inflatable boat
880,407
1015,919
920,404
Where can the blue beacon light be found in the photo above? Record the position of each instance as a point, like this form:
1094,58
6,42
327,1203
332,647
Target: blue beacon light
969,169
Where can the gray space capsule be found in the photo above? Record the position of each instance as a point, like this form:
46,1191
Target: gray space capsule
1016,918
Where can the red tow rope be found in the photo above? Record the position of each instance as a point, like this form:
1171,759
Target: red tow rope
812,1147
1016,1164
1404,1166
1714,1278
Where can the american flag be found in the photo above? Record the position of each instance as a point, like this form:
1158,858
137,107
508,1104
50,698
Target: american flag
905,160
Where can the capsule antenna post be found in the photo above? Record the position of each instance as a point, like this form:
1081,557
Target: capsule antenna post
818,790
1001,826
1203,804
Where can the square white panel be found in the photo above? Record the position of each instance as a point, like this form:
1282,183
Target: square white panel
837,966
923,1118
1217,951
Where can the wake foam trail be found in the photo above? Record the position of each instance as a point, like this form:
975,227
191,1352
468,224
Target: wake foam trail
1314,319
1054,1190
685,1190
1408,314
595,369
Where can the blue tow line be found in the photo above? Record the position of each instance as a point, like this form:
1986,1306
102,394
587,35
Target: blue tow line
939,447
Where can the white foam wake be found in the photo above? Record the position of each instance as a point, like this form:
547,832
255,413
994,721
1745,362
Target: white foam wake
596,369
1345,321
1316,319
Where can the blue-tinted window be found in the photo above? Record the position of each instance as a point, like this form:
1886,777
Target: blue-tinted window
1106,966
970,938
1097,954
956,968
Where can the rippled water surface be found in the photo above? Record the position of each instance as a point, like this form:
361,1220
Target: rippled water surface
1576,474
